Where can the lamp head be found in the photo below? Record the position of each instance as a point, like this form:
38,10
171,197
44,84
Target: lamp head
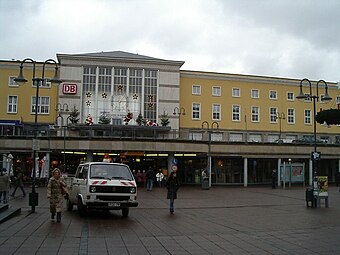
20,79
55,80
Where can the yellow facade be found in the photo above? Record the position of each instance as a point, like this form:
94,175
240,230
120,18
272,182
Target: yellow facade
247,83
25,92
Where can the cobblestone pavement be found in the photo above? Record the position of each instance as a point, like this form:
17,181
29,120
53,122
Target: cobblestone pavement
222,220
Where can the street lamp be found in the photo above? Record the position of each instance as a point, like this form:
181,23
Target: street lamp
179,111
37,82
326,98
280,116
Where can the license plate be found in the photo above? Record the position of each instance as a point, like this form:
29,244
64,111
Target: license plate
112,204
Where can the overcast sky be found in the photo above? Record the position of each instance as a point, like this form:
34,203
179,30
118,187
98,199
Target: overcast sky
280,38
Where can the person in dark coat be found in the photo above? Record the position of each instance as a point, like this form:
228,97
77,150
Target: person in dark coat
274,179
150,176
172,184
19,182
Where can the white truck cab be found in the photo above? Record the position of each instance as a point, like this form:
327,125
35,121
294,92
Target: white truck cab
101,185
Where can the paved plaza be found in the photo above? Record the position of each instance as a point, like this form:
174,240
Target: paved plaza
222,220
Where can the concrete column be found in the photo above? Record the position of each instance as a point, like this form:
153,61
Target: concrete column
89,156
310,172
245,172
279,172
209,170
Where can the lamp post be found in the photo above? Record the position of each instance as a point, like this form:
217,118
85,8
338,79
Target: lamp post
179,111
63,108
326,98
37,82
280,116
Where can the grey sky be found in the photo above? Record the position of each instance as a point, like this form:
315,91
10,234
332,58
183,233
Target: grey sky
283,38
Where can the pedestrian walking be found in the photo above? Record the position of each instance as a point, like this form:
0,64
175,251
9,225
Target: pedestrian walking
150,176
19,182
274,179
56,190
4,186
159,178
172,184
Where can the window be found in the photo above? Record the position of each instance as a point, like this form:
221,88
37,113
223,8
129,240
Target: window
337,99
255,93
255,114
236,113
43,105
273,115
236,92
307,98
216,91
308,116
11,82
291,116
273,94
196,111
196,89
290,96
216,112
12,105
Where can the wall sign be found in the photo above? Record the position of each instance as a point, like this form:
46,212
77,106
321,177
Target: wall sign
69,88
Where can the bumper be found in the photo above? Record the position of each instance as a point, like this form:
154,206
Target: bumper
114,205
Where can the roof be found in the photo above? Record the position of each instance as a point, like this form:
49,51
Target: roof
119,55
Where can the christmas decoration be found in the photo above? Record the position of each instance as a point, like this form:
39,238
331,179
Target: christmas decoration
89,120
164,120
151,123
103,119
127,118
73,118
139,119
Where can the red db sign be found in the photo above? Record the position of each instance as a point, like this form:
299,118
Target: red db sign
69,88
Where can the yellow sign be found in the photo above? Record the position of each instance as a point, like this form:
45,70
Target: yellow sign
323,183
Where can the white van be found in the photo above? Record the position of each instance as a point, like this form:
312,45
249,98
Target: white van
100,185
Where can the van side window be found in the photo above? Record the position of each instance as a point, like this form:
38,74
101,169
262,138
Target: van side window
79,172
85,170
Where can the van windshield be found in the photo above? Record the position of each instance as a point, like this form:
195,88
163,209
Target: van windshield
109,171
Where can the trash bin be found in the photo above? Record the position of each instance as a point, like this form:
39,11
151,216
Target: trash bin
205,183
310,197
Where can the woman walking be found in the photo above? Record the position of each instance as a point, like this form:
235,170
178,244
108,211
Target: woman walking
56,189
172,184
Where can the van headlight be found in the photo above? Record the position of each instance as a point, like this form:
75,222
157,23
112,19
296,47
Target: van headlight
133,190
93,189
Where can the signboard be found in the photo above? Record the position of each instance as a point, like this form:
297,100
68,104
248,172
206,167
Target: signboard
69,88
323,185
316,155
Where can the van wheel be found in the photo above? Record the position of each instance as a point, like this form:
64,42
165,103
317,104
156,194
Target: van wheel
69,205
81,208
125,212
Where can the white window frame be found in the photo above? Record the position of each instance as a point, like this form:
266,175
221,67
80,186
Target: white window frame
236,115
255,93
273,115
12,107
291,117
43,107
290,93
236,92
308,119
216,91
45,84
196,89
255,115
216,111
196,110
11,82
272,94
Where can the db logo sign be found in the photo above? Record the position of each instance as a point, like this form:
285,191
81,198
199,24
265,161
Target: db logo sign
69,88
